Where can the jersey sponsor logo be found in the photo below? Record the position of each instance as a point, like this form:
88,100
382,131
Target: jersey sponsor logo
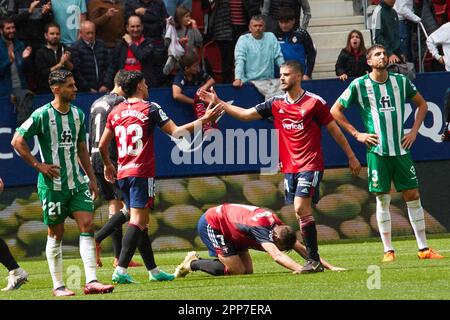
66,139
386,105
129,166
289,124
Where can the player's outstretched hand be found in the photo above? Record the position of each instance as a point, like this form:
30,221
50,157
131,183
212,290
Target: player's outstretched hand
213,112
408,139
110,173
209,97
1,185
50,170
369,139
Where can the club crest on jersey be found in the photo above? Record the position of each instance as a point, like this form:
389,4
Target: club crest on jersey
386,105
66,139
289,124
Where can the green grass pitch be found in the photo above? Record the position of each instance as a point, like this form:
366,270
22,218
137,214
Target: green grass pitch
406,278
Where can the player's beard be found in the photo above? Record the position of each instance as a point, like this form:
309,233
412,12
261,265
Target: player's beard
68,97
288,86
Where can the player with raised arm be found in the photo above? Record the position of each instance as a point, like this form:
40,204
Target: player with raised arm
380,97
62,188
299,116
229,230
132,123
109,192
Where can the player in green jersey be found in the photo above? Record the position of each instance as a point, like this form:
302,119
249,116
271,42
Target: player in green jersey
60,129
380,96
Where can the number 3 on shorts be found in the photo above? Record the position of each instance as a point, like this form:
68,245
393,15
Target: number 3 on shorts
375,176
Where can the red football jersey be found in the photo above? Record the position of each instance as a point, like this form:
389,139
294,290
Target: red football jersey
244,226
299,130
133,124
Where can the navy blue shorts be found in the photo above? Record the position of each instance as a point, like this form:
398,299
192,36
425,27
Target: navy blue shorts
214,240
302,184
137,192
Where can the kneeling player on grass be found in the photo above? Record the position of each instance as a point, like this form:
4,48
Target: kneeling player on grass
229,230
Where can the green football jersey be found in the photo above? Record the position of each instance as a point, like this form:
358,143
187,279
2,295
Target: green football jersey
58,136
382,109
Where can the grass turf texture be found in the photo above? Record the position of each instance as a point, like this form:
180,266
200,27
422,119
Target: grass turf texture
406,278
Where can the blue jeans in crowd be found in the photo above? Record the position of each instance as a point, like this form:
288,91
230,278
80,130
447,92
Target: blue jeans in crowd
405,38
171,5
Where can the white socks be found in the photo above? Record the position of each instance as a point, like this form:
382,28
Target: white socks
53,251
154,271
384,220
416,217
121,270
87,252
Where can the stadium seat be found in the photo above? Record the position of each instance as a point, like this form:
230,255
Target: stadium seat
211,54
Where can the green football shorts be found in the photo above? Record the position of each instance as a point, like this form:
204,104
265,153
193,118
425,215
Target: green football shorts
382,170
58,205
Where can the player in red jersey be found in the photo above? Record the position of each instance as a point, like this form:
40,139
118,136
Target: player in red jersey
298,116
229,230
133,123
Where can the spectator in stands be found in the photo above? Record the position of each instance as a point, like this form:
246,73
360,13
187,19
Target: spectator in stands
171,5
13,59
188,36
52,56
406,18
192,75
134,52
386,29
352,59
153,14
68,14
93,69
227,21
440,37
109,19
256,53
295,44
272,8
30,17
